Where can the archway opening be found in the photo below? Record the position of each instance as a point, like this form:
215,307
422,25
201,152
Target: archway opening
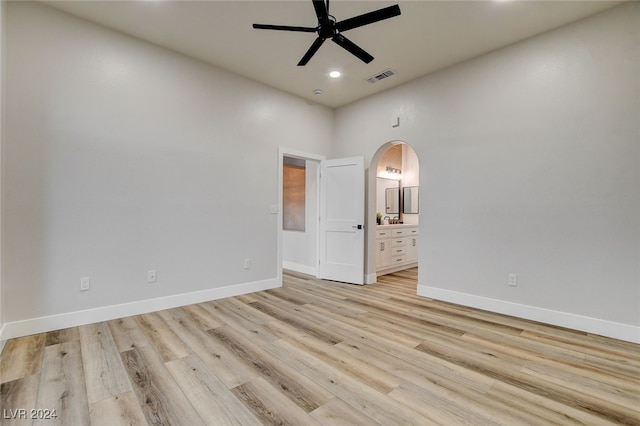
392,210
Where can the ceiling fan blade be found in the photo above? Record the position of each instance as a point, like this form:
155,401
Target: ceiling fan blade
321,10
312,51
347,44
368,18
284,28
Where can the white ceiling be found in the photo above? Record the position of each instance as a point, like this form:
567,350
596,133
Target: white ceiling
426,37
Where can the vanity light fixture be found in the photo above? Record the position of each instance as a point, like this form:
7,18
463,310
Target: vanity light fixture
391,173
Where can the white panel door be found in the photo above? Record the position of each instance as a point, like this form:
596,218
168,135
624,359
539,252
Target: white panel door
342,220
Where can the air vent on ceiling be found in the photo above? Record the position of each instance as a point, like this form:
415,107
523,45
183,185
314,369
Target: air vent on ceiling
381,76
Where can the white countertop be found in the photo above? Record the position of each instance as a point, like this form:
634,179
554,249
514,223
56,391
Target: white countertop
398,225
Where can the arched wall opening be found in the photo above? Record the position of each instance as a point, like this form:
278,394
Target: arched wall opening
394,160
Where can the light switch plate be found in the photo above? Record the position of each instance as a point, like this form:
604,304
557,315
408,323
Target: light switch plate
85,283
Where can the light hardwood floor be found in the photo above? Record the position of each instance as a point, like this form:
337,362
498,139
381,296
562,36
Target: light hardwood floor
317,352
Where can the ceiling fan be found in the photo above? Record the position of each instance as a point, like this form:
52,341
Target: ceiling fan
328,27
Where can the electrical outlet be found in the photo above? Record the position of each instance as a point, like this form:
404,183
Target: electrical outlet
85,283
247,264
513,280
152,277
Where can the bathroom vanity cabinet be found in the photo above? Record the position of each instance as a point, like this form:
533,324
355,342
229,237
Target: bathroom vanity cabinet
396,248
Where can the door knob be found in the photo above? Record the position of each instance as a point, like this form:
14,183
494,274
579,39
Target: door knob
357,226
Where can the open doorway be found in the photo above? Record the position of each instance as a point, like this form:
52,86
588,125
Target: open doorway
333,248
392,210
299,211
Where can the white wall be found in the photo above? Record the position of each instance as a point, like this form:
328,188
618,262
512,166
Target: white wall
529,164
410,166
121,157
300,248
2,74
410,177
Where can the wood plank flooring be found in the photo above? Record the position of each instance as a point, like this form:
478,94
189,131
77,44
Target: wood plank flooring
320,353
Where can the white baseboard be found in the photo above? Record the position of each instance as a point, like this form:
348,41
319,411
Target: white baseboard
370,278
601,327
304,269
106,313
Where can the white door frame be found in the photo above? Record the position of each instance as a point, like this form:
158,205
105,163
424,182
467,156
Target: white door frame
286,152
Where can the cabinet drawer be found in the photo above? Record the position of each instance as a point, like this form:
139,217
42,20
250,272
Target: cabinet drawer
412,231
399,232
396,251
383,234
398,242
396,260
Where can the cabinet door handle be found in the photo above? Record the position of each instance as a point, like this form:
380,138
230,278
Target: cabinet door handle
414,242
382,246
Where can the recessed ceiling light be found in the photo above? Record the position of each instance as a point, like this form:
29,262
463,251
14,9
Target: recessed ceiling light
335,74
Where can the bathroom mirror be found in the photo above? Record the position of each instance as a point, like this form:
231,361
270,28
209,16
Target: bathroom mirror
382,184
410,199
392,201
